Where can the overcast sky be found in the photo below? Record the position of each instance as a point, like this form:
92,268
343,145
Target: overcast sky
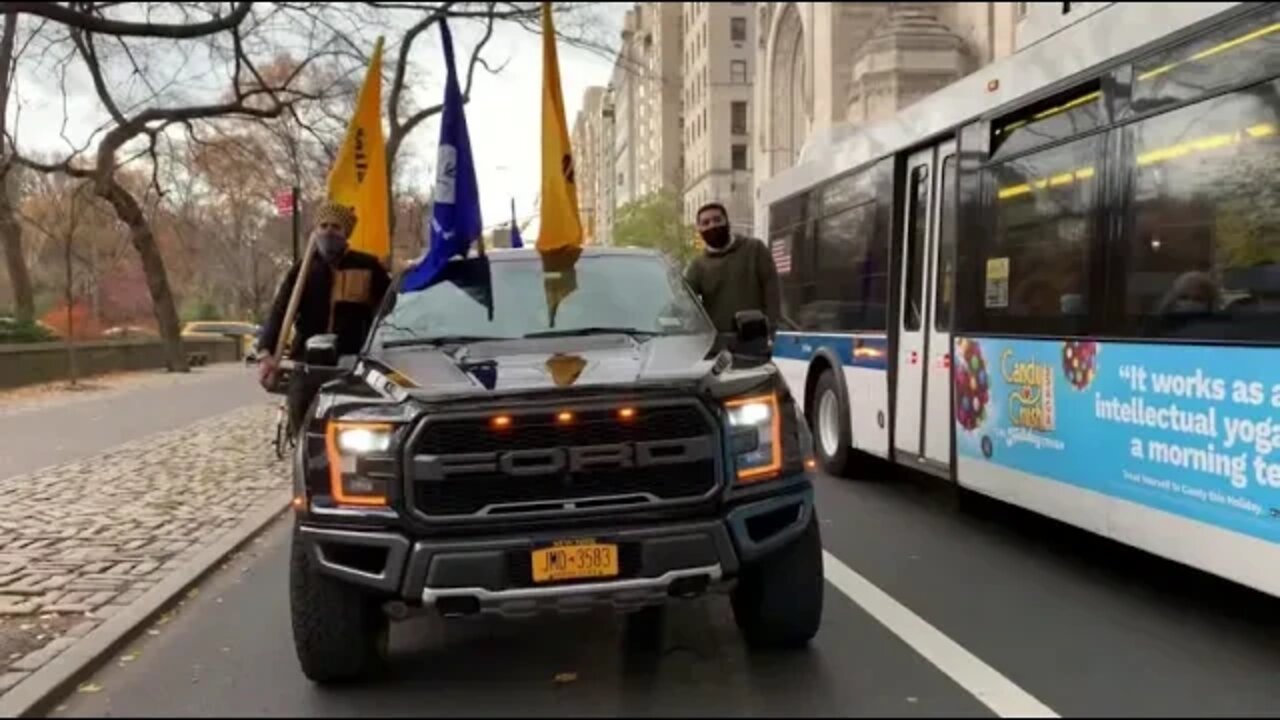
504,114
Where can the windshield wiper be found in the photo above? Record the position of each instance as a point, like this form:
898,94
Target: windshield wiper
439,340
633,332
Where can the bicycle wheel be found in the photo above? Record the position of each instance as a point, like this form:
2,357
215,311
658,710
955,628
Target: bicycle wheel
282,441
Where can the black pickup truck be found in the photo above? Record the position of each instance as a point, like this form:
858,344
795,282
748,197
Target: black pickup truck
478,458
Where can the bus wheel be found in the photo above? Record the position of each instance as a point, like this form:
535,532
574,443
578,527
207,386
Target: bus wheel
830,420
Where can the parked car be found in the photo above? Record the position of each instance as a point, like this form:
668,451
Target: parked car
246,332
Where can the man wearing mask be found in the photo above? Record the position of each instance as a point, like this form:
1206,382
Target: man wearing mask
341,295
735,273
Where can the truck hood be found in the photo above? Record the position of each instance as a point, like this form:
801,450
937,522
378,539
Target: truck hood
484,368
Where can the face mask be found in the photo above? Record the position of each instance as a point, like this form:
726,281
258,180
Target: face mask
716,237
330,245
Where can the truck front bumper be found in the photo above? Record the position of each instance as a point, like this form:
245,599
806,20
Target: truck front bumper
492,575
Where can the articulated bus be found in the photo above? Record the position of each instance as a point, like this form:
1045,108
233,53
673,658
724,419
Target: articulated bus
1056,283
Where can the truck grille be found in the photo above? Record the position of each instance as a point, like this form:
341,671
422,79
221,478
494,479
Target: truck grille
461,468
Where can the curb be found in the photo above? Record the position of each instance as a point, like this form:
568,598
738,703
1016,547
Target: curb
62,672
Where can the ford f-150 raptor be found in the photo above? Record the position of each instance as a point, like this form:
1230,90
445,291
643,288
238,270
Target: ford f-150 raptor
488,453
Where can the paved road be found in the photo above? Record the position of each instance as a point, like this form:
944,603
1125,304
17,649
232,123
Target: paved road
1044,612
35,436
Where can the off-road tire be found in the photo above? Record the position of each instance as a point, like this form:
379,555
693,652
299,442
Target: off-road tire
339,632
645,629
778,600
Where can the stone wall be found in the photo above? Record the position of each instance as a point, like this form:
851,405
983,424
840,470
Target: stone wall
27,364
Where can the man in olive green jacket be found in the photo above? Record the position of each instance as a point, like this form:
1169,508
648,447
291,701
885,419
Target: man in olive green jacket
735,273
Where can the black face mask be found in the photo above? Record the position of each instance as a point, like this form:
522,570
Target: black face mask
716,237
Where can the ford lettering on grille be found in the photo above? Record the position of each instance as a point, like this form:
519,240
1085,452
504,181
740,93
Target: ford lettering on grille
665,455
556,461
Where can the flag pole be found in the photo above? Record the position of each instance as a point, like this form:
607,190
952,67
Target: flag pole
295,297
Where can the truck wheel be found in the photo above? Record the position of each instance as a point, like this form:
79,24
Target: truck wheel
830,426
778,601
339,632
645,629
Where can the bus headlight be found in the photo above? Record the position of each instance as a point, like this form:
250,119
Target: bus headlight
345,444
755,434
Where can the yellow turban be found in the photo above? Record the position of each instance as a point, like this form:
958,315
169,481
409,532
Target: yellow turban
342,215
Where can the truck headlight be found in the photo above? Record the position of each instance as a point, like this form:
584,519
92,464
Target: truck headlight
345,444
755,433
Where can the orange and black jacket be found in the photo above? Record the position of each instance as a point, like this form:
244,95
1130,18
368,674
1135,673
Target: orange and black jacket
340,298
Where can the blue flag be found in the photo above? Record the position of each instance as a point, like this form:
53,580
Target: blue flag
516,242
455,209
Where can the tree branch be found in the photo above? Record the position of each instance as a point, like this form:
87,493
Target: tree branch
84,44
402,65
65,167
86,21
399,134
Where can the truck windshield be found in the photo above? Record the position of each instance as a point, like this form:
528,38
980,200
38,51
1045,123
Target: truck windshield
615,293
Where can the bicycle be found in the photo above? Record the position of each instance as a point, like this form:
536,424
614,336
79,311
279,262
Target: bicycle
285,441
286,436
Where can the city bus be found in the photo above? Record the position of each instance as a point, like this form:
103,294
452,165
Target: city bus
1055,283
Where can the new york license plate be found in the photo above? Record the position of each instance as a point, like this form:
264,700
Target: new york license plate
575,560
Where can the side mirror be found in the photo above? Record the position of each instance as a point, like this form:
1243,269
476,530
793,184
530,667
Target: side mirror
322,350
751,326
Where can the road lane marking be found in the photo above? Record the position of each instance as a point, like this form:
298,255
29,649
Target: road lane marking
992,689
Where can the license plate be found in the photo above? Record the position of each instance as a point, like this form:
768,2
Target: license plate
572,561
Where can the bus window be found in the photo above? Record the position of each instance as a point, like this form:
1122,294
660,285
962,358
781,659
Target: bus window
1057,118
852,270
1203,239
792,246
946,247
917,232
1036,262
1249,48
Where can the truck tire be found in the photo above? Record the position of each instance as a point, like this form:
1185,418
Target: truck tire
645,629
778,601
339,632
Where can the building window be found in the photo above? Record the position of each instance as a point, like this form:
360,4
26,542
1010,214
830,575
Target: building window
739,157
738,71
738,117
738,29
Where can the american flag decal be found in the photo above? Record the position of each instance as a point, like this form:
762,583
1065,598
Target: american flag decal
781,250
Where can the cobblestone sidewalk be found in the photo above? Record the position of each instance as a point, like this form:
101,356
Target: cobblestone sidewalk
82,540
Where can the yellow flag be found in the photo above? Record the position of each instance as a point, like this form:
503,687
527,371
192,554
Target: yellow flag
359,176
560,229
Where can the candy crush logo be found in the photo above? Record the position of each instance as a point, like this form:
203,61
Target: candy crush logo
1031,392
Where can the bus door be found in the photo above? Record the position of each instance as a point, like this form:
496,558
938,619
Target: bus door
922,402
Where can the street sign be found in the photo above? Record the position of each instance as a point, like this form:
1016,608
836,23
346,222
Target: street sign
284,203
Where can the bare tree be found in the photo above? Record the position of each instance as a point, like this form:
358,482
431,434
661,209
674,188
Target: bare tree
10,229
65,227
250,95
291,67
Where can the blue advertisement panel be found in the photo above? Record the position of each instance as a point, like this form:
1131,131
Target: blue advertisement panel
1193,431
